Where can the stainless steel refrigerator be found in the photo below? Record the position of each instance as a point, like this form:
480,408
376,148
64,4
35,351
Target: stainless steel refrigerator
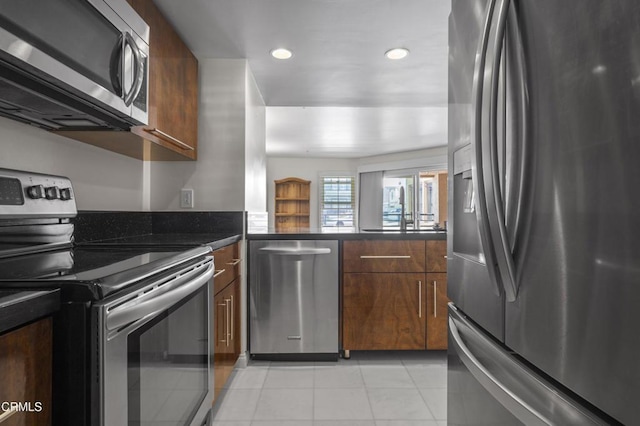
544,235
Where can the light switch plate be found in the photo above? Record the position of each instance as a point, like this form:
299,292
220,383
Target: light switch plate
186,198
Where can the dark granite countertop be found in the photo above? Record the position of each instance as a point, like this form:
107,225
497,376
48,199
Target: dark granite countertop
347,234
19,307
156,229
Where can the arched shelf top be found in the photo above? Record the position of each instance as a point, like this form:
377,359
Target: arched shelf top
292,179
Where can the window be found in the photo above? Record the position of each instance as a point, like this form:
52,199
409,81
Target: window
425,204
337,201
392,201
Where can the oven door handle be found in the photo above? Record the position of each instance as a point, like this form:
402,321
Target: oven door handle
151,303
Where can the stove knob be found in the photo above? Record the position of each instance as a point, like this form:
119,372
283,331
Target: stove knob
65,194
52,193
35,191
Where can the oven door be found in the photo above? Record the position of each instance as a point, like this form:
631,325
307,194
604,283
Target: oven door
154,361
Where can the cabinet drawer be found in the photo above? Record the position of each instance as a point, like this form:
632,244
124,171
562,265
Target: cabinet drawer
383,256
436,256
227,260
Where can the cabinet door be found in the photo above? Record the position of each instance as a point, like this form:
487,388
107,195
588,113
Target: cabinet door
173,86
437,300
25,372
227,333
222,323
436,256
235,326
384,311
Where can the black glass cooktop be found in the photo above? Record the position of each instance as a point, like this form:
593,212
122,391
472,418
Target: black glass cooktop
165,240
101,270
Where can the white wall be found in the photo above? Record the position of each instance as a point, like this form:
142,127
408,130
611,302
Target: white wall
404,160
102,180
305,168
230,173
309,168
255,198
218,177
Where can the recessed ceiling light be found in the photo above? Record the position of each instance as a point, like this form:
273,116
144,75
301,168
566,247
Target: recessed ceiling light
281,53
397,53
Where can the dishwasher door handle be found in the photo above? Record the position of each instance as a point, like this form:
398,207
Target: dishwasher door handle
295,251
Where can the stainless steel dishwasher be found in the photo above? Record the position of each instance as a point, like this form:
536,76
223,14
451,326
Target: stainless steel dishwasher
294,298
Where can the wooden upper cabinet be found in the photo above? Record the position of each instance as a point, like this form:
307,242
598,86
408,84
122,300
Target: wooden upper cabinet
436,256
173,87
384,256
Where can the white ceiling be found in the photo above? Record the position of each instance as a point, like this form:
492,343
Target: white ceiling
358,103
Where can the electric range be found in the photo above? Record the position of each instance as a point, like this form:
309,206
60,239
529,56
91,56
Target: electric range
132,340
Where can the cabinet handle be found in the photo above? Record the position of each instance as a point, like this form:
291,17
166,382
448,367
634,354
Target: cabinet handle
227,303
234,262
435,298
7,414
168,138
420,299
221,271
385,257
225,327
232,317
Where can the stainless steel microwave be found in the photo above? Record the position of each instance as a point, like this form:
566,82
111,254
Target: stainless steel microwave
73,64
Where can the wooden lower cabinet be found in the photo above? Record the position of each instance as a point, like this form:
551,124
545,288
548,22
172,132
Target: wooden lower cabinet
25,373
437,314
227,334
394,295
384,311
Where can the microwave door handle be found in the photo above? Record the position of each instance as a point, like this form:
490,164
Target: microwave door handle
138,67
477,129
141,71
116,66
495,209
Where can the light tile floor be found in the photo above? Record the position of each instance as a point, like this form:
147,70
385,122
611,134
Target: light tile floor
390,388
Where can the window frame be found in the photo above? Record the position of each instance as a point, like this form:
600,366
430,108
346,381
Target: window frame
349,220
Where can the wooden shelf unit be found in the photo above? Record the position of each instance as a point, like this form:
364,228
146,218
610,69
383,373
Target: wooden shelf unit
292,197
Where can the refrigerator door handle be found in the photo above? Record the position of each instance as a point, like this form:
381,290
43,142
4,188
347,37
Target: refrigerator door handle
529,397
477,169
520,106
499,391
496,212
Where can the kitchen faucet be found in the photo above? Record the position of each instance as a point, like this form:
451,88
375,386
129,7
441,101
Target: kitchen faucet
403,220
